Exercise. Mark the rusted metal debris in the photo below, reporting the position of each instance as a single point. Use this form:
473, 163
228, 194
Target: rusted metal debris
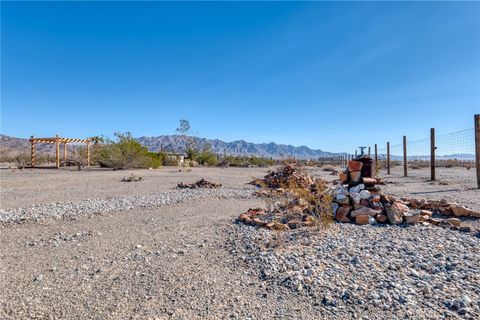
131, 178
202, 183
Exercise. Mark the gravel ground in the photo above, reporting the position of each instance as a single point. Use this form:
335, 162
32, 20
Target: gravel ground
167, 263
20, 188
366, 271
117, 204
92, 247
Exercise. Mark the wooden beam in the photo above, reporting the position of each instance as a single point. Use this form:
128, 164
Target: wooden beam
57, 153
88, 153
64, 153
32, 152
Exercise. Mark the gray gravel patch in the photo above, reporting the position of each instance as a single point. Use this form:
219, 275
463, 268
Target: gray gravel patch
117, 204
353, 271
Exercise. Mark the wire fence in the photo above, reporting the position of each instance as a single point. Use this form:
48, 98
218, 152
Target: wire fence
454, 158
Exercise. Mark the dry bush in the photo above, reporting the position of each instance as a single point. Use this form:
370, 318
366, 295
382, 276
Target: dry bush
382, 164
328, 168
419, 164
23, 160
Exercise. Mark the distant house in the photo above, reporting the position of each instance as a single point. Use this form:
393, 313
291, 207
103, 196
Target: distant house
171, 153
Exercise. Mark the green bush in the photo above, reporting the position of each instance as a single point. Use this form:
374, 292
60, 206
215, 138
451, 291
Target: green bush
245, 161
165, 160
206, 158
155, 161
126, 152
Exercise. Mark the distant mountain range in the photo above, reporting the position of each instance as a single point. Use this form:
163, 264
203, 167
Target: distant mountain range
178, 143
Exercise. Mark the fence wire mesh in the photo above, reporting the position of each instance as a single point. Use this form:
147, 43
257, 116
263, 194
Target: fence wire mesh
454, 158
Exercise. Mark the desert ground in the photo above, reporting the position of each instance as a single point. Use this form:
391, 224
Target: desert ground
84, 245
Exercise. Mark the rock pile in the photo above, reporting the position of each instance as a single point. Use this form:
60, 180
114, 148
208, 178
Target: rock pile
277, 220
358, 199
202, 183
289, 176
302, 200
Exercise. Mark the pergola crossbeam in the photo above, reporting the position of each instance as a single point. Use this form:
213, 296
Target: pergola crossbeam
57, 141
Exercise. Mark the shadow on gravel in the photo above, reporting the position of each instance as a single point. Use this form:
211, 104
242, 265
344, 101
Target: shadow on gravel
437, 191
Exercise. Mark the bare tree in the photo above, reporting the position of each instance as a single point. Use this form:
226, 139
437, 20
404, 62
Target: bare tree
184, 128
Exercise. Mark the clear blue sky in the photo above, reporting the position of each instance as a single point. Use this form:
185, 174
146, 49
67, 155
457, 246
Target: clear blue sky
327, 75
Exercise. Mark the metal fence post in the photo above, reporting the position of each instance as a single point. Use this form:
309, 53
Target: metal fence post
388, 157
405, 164
432, 154
477, 147
376, 159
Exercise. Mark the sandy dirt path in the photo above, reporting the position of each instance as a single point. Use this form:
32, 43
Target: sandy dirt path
168, 263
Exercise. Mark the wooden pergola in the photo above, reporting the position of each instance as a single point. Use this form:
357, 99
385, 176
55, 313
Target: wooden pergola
57, 141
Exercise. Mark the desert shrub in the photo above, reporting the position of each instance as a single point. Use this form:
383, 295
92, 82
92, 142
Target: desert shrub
22, 160
191, 153
206, 158
418, 164
382, 164
167, 160
154, 160
245, 161
124, 153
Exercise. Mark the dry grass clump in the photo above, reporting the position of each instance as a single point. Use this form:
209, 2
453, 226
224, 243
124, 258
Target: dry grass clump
293, 200
329, 168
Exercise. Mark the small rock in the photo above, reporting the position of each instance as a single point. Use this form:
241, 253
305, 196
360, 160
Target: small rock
395, 212
455, 221
381, 218
460, 211
362, 219
342, 214
364, 211
412, 217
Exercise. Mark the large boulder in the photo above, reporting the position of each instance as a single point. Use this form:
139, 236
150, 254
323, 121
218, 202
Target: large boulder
395, 212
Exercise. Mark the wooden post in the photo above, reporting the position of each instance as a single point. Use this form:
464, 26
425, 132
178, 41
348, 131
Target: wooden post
32, 152
405, 163
64, 153
388, 157
88, 153
477, 147
376, 158
432, 154
57, 152
368, 152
